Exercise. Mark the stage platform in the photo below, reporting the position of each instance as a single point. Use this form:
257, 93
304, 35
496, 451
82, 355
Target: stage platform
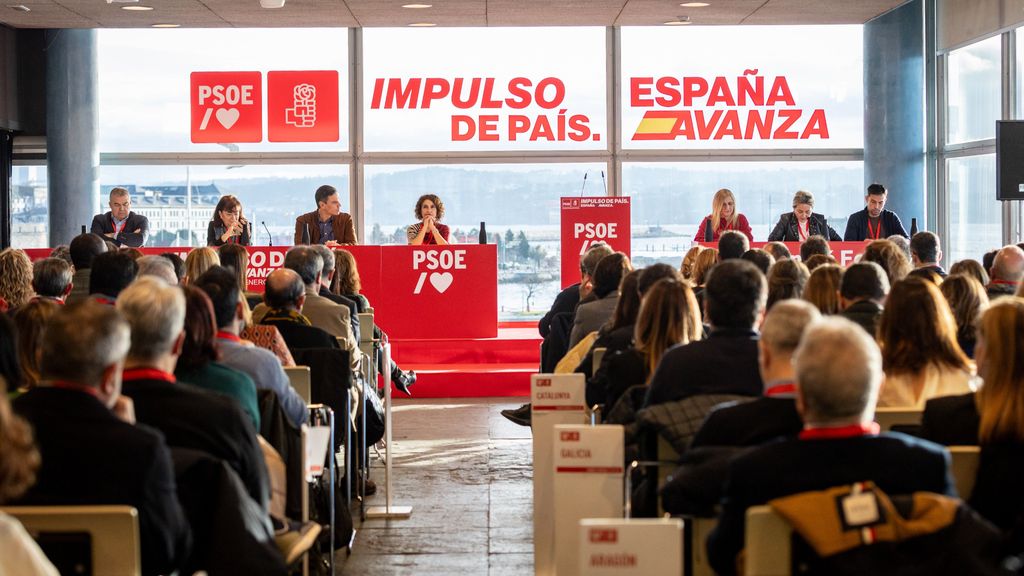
473, 368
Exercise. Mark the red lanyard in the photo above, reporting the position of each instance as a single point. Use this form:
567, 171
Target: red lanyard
66, 385
147, 374
117, 229
801, 230
875, 234
836, 432
228, 336
780, 389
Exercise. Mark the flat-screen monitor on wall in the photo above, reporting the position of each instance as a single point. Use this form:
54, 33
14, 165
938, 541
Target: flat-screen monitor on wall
1010, 160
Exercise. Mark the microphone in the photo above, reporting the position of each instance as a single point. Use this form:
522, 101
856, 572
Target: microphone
603, 183
270, 239
584, 187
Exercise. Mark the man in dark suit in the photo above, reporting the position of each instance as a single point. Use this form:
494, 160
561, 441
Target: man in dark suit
327, 224
324, 288
926, 253
758, 421
112, 272
874, 222
121, 226
188, 416
862, 293
92, 452
284, 296
725, 363
838, 372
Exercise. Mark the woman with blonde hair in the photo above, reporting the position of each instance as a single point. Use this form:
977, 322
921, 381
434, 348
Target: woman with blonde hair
822, 288
724, 216
920, 354
890, 257
705, 260
15, 279
689, 261
198, 261
967, 299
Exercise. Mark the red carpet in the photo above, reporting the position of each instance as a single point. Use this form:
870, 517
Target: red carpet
473, 368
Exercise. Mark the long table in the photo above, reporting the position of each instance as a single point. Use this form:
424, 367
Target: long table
844, 252
429, 292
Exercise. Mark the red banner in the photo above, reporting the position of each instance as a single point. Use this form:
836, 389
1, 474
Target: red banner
589, 219
302, 106
227, 107
844, 252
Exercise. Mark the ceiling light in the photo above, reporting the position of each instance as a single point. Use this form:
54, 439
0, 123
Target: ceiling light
20, 8
135, 8
681, 21
166, 25
694, 4
417, 5
422, 25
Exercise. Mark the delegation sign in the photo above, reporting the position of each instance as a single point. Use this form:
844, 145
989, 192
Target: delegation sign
590, 219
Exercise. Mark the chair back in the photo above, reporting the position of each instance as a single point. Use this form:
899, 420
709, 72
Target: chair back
889, 417
366, 327
598, 357
113, 530
965, 468
768, 549
299, 378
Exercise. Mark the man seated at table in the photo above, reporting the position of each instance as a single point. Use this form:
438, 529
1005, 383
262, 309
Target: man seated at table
327, 224
120, 225
92, 450
838, 374
874, 222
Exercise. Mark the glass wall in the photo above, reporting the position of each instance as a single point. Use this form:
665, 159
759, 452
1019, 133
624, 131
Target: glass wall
973, 94
975, 216
30, 207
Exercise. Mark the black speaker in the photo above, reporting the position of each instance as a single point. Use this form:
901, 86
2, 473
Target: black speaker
1010, 160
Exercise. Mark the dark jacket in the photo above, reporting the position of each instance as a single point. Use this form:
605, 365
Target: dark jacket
353, 308
344, 228
614, 341
786, 229
104, 224
566, 301
951, 420
619, 372
896, 463
214, 231
995, 290
725, 363
865, 314
857, 226
297, 336
92, 457
749, 423
556, 343
191, 417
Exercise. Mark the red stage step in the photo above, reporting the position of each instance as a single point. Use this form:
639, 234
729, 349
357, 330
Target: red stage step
473, 368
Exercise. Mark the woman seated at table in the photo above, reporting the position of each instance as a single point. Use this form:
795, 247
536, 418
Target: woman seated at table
228, 225
802, 223
429, 210
724, 216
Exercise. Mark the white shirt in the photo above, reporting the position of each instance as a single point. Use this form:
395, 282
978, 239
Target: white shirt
19, 553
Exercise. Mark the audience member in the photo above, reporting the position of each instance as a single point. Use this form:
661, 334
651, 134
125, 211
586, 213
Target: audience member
970, 268
593, 313
822, 288
189, 417
926, 253
725, 363
778, 250
967, 300
199, 260
198, 361
570, 297
758, 421
1007, 272
15, 279
987, 259
221, 285
888, 255
31, 320
927, 274
158, 267
903, 243
759, 258
689, 260
617, 333
921, 358
63, 251
112, 272
786, 279
10, 364
838, 373
814, 245
706, 260
133, 253
732, 244
83, 249
326, 279
862, 294
818, 260
284, 297
179, 264
92, 451
51, 279
650, 276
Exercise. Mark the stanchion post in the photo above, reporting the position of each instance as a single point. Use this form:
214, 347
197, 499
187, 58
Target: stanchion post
389, 510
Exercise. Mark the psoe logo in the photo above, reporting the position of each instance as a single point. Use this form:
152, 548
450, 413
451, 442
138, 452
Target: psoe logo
570, 203
438, 265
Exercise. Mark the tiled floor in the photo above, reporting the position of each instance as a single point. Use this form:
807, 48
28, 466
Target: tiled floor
466, 472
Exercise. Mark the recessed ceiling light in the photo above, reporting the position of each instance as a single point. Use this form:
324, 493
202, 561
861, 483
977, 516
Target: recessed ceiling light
422, 25
166, 25
417, 5
136, 8
694, 4
681, 21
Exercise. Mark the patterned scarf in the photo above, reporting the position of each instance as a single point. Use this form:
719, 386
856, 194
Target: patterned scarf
285, 316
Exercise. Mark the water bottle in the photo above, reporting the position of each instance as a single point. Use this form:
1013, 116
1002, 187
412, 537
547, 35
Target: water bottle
483, 233
709, 232
305, 234
913, 227
83, 228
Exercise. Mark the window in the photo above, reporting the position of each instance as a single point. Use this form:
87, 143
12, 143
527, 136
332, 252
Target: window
30, 207
179, 200
670, 200
975, 216
519, 204
973, 91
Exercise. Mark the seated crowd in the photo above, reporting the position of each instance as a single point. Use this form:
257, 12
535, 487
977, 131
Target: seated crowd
148, 381
764, 373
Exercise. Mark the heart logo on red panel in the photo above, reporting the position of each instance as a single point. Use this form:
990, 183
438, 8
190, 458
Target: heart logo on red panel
226, 107
302, 106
